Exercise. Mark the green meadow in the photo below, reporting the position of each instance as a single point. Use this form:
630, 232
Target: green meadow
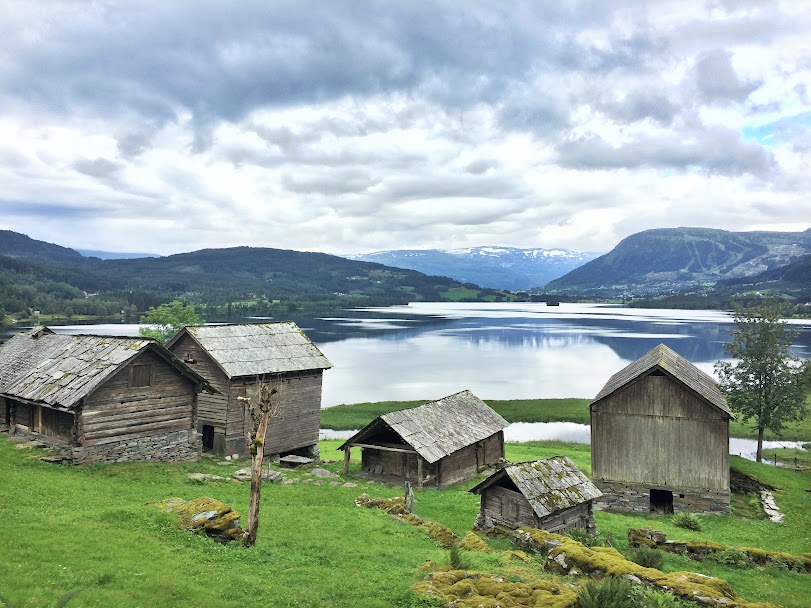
93, 530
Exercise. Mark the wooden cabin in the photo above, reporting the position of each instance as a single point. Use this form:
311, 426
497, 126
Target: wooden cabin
660, 438
438, 444
96, 398
236, 359
551, 494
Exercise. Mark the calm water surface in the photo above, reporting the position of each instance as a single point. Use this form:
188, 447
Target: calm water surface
499, 351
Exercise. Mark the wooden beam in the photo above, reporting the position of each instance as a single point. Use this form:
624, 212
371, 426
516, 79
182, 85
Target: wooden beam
419, 471
384, 448
346, 460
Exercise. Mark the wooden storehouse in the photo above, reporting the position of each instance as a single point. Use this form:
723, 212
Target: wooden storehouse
235, 359
660, 438
551, 494
439, 443
98, 398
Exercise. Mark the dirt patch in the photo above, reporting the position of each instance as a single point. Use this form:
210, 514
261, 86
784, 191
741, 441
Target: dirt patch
740, 483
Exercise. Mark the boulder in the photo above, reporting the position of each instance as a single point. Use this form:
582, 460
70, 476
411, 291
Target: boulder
212, 516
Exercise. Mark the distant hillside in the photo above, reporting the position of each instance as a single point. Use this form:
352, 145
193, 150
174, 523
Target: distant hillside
16, 245
664, 261
495, 267
115, 255
257, 279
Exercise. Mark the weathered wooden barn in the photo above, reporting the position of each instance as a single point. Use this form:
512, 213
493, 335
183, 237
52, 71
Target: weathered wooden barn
235, 359
550, 494
97, 398
660, 438
439, 443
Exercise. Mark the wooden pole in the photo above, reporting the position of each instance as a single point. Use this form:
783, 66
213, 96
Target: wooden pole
346, 460
409, 497
419, 471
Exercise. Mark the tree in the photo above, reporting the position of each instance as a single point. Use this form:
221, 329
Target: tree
167, 319
260, 410
766, 382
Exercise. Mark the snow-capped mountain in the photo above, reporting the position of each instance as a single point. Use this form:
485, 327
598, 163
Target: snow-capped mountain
490, 266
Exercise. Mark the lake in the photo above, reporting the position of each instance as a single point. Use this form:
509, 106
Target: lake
424, 351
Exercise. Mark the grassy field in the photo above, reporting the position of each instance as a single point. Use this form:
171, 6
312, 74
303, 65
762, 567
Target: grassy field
94, 528
358, 415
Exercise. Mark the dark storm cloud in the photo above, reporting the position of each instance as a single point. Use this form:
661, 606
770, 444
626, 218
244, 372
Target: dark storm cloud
50, 211
713, 150
218, 61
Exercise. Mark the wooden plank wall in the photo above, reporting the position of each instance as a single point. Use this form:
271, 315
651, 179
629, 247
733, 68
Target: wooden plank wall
495, 497
116, 412
657, 432
211, 409
4, 413
299, 402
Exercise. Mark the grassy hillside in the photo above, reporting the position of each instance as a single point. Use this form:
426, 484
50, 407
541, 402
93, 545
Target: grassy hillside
93, 528
673, 259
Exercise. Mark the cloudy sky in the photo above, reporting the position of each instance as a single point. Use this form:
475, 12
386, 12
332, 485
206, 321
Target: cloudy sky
354, 126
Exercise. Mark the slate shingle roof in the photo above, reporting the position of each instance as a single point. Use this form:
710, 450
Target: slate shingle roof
60, 370
676, 366
441, 427
253, 349
550, 485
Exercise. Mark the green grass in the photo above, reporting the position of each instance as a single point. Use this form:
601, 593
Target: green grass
358, 415
457, 294
93, 527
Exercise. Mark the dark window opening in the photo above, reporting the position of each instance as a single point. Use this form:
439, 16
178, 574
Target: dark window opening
661, 501
141, 375
657, 372
208, 437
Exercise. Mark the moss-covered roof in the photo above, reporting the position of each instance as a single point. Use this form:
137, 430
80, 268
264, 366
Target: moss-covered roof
550, 485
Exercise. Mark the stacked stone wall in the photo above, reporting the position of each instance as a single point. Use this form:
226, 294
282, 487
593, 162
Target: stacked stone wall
165, 447
635, 498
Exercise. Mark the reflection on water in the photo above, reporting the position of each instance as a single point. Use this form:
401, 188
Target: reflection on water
425, 351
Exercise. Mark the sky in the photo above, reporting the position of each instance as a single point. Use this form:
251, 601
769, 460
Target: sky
356, 126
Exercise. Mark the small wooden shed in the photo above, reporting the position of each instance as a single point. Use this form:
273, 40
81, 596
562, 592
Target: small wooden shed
660, 438
235, 359
550, 494
97, 398
439, 443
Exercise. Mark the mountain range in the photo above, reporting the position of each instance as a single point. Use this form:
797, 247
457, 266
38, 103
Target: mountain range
496, 267
668, 260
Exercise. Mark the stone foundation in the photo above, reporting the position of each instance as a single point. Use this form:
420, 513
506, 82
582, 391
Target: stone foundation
629, 497
166, 447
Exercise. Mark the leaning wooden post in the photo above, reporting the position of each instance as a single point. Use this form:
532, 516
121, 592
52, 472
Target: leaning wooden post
409, 497
419, 471
346, 460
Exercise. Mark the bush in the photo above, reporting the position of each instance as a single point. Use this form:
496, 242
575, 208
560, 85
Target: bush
647, 557
733, 557
609, 592
582, 536
645, 597
458, 559
688, 521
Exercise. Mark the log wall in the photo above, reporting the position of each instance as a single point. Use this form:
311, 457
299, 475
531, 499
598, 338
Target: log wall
502, 506
117, 414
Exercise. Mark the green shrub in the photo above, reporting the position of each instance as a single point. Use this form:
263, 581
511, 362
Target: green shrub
646, 597
457, 558
688, 521
733, 557
647, 557
609, 592
582, 536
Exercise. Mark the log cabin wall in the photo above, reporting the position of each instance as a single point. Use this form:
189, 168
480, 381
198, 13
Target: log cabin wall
295, 429
120, 421
5, 418
212, 410
505, 507
657, 432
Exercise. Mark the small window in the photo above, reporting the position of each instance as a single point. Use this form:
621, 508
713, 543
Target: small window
141, 375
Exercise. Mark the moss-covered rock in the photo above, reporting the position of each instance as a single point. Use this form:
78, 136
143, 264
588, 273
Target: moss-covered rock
214, 517
473, 542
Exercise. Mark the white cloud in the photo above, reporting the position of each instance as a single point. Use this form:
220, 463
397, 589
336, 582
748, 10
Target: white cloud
338, 127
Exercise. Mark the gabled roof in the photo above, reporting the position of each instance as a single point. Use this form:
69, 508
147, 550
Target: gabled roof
60, 370
550, 485
254, 349
675, 366
440, 427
